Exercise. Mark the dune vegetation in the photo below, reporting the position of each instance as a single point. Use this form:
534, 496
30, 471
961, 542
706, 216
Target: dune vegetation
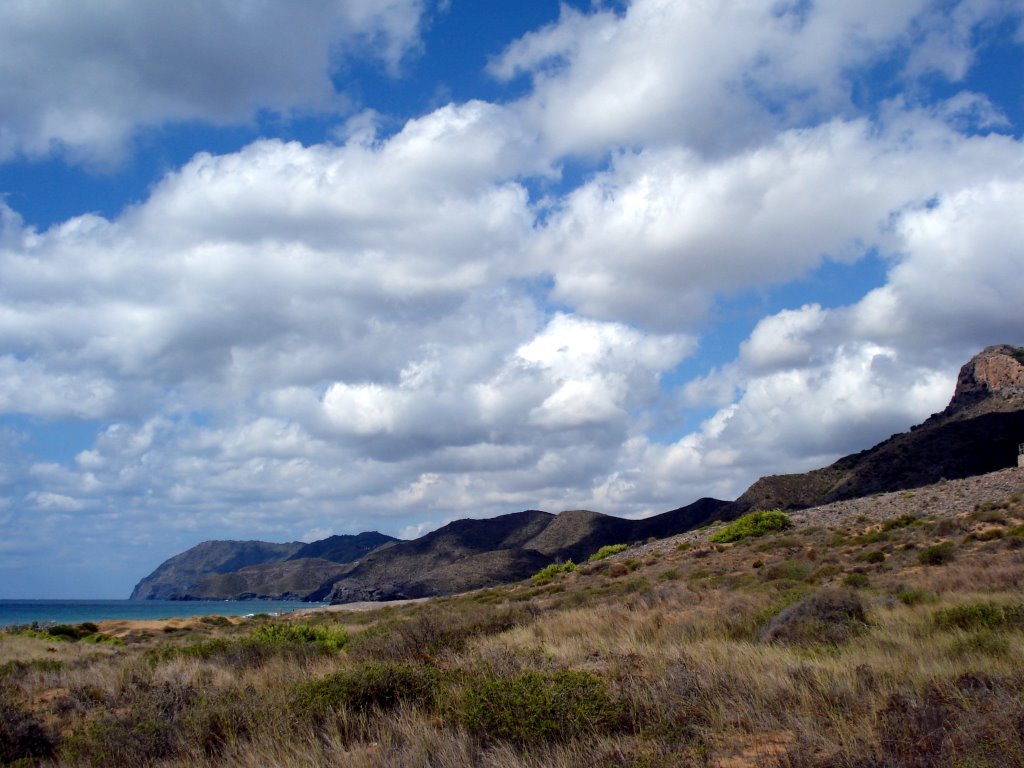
830, 641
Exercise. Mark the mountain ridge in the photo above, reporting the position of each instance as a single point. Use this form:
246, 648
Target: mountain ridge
978, 432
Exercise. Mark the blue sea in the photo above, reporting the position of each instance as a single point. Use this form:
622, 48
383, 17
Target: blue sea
77, 611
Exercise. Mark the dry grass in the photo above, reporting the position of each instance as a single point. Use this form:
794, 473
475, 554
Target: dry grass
634, 669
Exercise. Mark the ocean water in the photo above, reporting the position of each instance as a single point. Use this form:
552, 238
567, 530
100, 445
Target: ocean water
77, 611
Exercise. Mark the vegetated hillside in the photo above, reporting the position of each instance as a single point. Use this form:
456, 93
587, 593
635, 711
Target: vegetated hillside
879, 631
470, 554
978, 432
180, 574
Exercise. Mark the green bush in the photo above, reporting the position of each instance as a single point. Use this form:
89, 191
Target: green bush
912, 596
291, 633
900, 522
857, 580
791, 570
980, 616
549, 572
539, 707
937, 554
873, 556
984, 643
750, 525
368, 686
606, 551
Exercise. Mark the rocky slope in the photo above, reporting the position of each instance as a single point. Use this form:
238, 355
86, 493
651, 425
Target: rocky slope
978, 432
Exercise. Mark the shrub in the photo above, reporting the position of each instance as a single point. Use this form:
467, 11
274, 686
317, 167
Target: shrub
873, 556
549, 572
616, 570
899, 522
21, 737
369, 686
291, 633
539, 706
857, 580
435, 629
750, 525
791, 570
911, 596
985, 643
827, 616
980, 616
937, 554
606, 551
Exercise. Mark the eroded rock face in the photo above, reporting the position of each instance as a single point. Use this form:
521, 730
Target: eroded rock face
997, 370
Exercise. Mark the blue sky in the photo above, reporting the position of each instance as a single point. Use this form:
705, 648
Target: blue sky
380, 264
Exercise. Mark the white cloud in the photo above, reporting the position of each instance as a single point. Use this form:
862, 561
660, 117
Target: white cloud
655, 239
84, 78
717, 76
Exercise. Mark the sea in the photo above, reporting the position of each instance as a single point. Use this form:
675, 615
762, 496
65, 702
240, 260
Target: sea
45, 612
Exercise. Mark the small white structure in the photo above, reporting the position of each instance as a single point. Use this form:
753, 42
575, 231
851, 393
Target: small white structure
1020, 455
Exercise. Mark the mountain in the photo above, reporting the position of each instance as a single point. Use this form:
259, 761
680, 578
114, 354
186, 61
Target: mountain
177, 576
343, 549
220, 570
978, 432
471, 554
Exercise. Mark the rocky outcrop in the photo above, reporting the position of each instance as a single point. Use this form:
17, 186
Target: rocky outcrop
978, 432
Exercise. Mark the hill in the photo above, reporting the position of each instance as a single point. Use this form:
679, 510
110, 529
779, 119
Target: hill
978, 432
177, 576
220, 570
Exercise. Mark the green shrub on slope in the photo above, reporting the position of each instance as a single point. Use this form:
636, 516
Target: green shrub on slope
752, 524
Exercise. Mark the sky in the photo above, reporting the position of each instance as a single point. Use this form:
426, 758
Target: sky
284, 270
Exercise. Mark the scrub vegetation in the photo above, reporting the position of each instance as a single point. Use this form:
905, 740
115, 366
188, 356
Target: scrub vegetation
831, 641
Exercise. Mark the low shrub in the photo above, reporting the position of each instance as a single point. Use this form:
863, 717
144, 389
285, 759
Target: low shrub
937, 554
900, 522
980, 616
293, 633
366, 687
872, 556
791, 570
829, 616
857, 580
549, 572
22, 739
984, 643
435, 630
912, 596
606, 551
751, 525
539, 707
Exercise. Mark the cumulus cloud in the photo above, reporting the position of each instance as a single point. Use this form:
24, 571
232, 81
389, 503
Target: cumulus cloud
717, 76
662, 233
84, 78
391, 332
